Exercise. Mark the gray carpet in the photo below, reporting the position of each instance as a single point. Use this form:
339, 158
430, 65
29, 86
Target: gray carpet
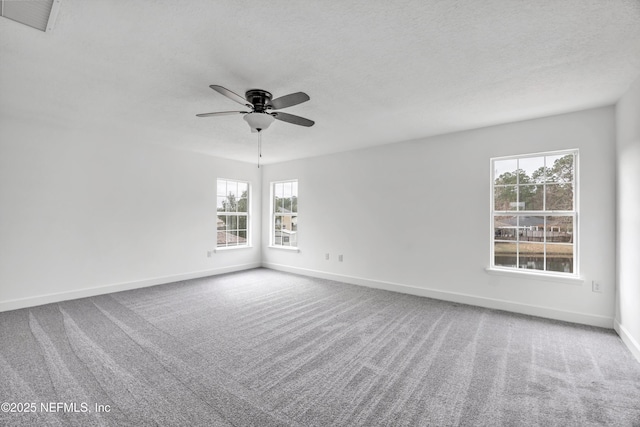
265, 348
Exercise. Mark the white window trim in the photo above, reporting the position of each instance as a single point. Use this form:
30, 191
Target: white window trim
539, 274
286, 248
231, 248
535, 274
248, 215
272, 217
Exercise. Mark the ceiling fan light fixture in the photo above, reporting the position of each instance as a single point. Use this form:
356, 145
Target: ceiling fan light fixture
258, 121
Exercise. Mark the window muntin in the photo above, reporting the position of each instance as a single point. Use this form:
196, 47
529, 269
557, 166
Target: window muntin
534, 212
284, 218
233, 213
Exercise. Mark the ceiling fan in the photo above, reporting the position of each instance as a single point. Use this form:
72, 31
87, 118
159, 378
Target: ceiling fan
262, 106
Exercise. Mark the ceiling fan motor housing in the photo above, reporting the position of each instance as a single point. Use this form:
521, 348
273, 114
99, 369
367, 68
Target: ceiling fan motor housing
262, 106
261, 99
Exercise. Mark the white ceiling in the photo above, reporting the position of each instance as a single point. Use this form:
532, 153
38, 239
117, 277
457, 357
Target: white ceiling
377, 71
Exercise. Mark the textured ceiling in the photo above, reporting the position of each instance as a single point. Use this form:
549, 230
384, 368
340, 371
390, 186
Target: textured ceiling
377, 71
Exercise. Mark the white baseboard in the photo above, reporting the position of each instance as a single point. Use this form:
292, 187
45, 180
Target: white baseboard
515, 307
117, 287
627, 339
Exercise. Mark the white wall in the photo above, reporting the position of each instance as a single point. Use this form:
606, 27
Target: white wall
87, 212
414, 217
628, 213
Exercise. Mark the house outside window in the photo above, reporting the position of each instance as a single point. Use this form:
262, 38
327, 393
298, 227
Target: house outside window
534, 213
233, 213
284, 222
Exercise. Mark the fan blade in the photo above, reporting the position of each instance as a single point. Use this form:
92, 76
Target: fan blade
221, 113
296, 120
231, 95
289, 100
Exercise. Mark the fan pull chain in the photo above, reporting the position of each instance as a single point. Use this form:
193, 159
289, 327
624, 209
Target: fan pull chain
259, 146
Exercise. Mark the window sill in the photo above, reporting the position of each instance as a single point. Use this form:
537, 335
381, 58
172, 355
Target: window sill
285, 248
231, 248
572, 280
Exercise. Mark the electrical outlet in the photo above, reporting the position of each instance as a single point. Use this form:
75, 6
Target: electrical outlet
596, 286
340, 258
326, 256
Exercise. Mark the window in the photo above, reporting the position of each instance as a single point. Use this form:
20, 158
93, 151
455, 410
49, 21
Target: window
534, 212
284, 222
233, 213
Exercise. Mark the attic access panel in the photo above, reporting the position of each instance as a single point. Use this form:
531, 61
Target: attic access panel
38, 14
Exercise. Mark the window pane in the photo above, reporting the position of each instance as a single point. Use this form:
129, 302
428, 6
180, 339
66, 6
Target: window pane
294, 223
506, 198
277, 197
232, 222
560, 168
229, 204
531, 197
220, 205
559, 229
505, 171
232, 189
531, 228
232, 196
560, 257
236, 238
505, 254
242, 205
294, 196
286, 200
287, 188
221, 239
559, 197
531, 169
242, 222
285, 223
222, 222
531, 255
504, 227
277, 230
280, 197
243, 189
559, 235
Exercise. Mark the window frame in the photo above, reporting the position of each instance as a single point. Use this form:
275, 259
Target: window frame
237, 214
273, 214
545, 213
